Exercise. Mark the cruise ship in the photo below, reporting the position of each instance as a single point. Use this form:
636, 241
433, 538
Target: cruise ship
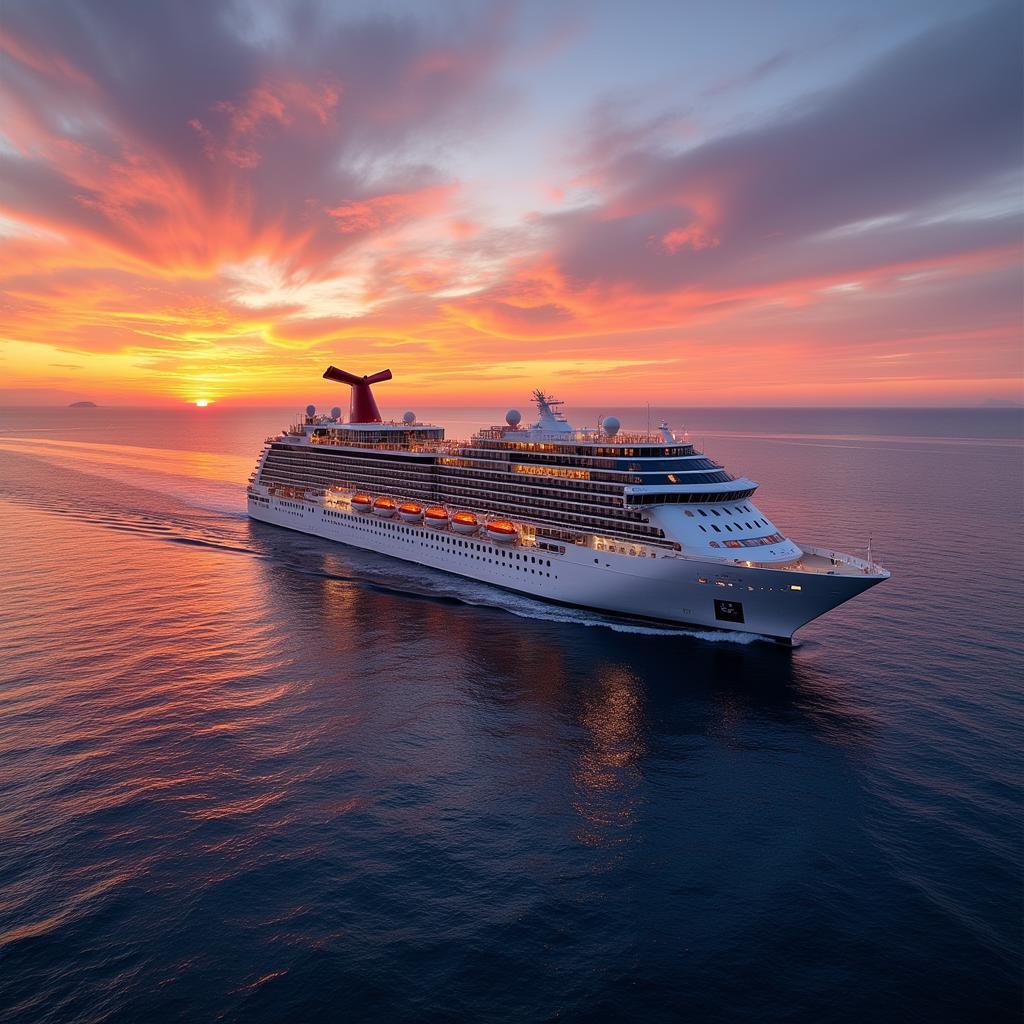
641, 525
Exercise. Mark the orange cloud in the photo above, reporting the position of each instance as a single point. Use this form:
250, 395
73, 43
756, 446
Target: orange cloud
692, 237
384, 211
47, 63
250, 118
280, 210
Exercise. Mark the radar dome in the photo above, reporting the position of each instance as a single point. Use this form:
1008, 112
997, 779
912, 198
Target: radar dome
513, 417
310, 410
610, 425
409, 418
336, 413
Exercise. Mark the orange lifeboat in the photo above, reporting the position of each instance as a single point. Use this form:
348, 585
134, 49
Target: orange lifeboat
465, 522
362, 502
501, 530
386, 507
436, 516
410, 512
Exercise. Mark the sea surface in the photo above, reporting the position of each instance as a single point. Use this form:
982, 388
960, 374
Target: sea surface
248, 775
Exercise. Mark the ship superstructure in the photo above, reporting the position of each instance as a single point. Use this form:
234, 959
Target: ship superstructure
637, 524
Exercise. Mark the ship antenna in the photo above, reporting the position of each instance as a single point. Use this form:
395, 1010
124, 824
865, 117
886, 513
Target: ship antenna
362, 408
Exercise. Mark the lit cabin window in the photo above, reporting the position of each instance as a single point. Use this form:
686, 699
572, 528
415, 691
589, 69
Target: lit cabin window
796, 587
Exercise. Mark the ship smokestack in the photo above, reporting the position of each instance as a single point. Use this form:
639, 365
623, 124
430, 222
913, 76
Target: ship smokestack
362, 408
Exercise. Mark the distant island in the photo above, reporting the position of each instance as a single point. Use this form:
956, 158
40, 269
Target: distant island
83, 405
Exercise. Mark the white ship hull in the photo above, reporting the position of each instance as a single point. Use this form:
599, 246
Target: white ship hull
672, 588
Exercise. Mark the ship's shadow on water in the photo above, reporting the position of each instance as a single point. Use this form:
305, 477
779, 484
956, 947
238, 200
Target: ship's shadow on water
527, 649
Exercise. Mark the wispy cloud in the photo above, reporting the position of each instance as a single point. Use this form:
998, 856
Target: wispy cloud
183, 187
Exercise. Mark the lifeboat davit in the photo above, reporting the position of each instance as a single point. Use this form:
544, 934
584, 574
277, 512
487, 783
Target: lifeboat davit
362, 502
385, 507
501, 530
410, 512
436, 516
465, 522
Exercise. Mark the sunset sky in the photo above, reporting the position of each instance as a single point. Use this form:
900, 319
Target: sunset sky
688, 203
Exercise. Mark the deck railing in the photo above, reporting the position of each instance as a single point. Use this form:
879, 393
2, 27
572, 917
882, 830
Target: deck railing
840, 559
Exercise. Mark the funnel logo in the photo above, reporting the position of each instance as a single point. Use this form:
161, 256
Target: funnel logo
729, 611
363, 408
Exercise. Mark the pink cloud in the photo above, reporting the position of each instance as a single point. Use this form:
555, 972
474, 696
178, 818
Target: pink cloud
692, 237
310, 166
251, 118
376, 213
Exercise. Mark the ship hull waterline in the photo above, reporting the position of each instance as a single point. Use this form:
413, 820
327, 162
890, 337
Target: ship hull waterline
769, 603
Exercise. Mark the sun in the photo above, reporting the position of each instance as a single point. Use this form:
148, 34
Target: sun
202, 403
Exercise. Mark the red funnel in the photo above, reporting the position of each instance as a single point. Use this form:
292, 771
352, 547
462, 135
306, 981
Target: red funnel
362, 408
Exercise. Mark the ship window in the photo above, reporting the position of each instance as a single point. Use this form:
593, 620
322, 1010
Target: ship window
702, 530
714, 512
728, 527
715, 528
689, 513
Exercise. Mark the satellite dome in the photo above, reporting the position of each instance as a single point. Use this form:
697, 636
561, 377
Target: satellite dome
336, 413
310, 410
513, 417
409, 418
610, 425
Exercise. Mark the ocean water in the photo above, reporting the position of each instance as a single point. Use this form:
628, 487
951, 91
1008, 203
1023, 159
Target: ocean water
247, 775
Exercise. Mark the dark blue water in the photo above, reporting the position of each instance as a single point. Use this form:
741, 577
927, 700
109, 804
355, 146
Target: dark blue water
246, 775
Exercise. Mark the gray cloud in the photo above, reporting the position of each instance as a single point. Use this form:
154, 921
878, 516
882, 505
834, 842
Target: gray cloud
931, 120
271, 130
